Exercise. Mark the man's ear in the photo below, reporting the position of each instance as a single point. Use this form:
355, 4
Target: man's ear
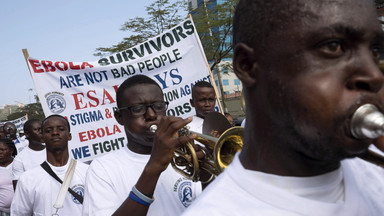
118, 116
245, 65
69, 137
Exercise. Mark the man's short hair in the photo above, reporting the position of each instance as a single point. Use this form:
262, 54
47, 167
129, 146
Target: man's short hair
28, 124
55, 115
254, 20
132, 81
201, 84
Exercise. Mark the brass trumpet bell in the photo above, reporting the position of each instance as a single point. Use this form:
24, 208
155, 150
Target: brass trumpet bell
229, 143
224, 148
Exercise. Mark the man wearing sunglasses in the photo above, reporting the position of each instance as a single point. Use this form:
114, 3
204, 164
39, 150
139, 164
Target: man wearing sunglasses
138, 180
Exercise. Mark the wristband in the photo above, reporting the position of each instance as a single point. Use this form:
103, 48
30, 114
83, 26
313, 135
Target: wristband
142, 196
137, 199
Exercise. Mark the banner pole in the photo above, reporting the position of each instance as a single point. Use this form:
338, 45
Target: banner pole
26, 56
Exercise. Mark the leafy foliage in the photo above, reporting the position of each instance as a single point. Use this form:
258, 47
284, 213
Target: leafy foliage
34, 110
214, 25
163, 15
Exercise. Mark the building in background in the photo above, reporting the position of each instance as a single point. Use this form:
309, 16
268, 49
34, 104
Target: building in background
9, 109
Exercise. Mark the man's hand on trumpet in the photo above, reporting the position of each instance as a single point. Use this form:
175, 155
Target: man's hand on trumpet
166, 141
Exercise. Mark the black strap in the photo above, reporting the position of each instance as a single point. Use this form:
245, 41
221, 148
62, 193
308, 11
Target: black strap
47, 168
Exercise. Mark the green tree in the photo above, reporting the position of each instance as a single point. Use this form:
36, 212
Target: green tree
214, 26
33, 110
162, 15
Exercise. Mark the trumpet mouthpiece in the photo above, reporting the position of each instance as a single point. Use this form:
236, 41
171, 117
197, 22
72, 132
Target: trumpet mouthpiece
153, 128
367, 122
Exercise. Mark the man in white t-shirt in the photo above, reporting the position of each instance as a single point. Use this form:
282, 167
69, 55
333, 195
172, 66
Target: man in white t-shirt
36, 190
32, 155
10, 132
7, 152
126, 181
306, 66
203, 100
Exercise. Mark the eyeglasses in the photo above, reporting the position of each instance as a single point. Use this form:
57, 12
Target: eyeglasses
141, 109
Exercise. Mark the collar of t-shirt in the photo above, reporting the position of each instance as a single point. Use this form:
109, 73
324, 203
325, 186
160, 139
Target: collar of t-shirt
141, 158
61, 170
328, 187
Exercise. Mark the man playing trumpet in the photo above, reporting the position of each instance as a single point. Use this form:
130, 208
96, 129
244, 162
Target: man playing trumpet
306, 66
138, 180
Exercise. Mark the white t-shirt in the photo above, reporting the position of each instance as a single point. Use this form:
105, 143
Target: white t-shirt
196, 125
238, 191
37, 191
20, 144
27, 159
6, 188
243, 123
110, 179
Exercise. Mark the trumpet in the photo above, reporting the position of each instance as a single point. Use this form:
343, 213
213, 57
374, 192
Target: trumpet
224, 148
368, 123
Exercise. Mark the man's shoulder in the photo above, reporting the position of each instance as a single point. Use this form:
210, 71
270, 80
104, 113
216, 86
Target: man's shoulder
82, 165
34, 174
196, 122
26, 151
114, 155
110, 160
196, 118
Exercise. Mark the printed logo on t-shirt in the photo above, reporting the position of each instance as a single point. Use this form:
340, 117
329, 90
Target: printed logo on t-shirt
79, 189
185, 192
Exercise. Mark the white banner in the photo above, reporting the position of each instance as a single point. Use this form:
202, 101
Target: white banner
19, 123
84, 92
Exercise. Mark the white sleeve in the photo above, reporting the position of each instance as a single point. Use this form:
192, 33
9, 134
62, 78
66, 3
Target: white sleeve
17, 168
243, 123
22, 203
197, 189
99, 195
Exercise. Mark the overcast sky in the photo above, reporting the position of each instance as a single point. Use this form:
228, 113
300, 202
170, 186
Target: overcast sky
56, 30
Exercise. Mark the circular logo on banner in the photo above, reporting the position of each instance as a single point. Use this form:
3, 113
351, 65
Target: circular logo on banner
55, 102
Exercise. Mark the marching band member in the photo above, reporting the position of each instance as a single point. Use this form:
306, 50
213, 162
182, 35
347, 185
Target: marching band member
138, 179
306, 67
